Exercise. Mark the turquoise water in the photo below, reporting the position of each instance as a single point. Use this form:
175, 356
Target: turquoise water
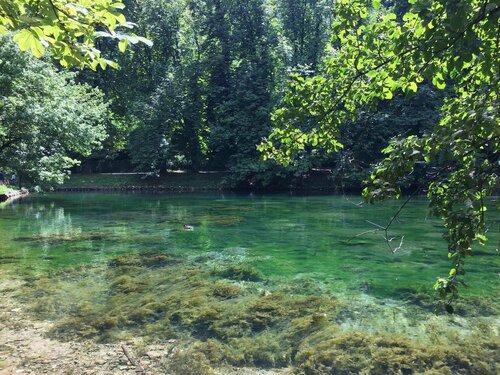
265, 280
282, 236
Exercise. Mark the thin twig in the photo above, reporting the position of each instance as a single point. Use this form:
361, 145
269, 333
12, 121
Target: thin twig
138, 367
385, 228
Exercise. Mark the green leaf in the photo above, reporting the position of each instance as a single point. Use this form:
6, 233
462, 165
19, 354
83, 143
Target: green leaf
122, 45
26, 40
412, 87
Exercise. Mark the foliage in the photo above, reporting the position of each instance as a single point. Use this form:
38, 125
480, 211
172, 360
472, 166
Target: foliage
46, 119
203, 94
68, 28
376, 54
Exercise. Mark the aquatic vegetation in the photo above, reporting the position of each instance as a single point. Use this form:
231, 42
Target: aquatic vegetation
466, 306
265, 324
226, 290
188, 362
331, 352
9, 259
127, 284
222, 219
81, 249
238, 272
55, 238
151, 259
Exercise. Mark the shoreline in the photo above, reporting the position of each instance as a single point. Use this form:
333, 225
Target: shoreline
13, 194
316, 182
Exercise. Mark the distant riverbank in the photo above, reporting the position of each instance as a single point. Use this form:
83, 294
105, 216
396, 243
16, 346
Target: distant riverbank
317, 181
6, 193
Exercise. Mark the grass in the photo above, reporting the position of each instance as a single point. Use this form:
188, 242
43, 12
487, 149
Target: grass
5, 189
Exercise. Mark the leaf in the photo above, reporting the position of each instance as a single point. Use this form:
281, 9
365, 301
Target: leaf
122, 45
146, 41
26, 40
388, 94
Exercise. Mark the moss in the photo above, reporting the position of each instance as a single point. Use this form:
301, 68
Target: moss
238, 272
74, 327
265, 350
241, 324
329, 352
55, 238
225, 290
106, 322
81, 249
9, 259
470, 306
127, 284
142, 314
188, 363
150, 259
222, 219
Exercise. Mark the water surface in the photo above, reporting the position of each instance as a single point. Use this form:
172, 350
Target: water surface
282, 236
261, 276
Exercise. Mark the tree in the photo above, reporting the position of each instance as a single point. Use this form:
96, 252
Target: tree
68, 28
46, 119
306, 25
375, 54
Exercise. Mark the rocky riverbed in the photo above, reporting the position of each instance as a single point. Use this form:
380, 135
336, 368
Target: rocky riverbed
25, 348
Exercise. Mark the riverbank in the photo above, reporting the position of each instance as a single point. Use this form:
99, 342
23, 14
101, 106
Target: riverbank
7, 193
205, 181
181, 182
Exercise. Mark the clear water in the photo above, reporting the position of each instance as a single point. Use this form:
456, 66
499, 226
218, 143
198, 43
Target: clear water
305, 245
282, 236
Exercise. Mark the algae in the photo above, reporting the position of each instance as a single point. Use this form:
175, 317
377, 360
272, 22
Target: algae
224, 290
9, 259
188, 362
219, 317
55, 238
331, 352
238, 272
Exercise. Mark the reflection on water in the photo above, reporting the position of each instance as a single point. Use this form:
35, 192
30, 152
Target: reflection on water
264, 281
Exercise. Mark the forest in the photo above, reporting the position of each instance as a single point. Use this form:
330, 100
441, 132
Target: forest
202, 97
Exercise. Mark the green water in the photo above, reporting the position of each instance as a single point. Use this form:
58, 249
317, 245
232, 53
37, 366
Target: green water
282, 236
71, 249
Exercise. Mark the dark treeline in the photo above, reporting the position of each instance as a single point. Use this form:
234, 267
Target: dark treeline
202, 97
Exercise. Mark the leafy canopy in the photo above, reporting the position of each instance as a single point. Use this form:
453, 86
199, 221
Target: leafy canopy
46, 120
69, 29
376, 54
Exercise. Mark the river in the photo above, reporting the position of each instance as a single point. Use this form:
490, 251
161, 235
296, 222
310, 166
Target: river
276, 281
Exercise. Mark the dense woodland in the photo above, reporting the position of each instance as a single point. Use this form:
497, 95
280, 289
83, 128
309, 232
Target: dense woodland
200, 98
